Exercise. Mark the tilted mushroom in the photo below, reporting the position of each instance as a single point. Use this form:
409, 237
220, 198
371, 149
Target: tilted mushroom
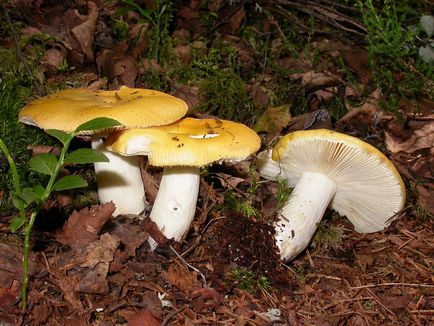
331, 169
182, 148
119, 180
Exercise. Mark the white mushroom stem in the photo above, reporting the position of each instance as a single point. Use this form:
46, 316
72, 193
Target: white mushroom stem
175, 204
303, 211
268, 168
120, 181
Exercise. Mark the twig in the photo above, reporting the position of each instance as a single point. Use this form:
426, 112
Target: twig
171, 315
189, 265
391, 284
423, 311
19, 54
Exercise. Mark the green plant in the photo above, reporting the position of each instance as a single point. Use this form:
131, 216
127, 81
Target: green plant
240, 205
33, 198
283, 193
328, 236
393, 52
249, 281
159, 18
16, 86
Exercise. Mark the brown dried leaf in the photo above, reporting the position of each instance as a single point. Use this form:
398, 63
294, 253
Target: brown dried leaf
85, 32
189, 94
205, 299
395, 302
83, 227
53, 58
319, 119
422, 137
144, 317
41, 149
8, 296
125, 70
316, 80
179, 276
93, 273
132, 236
183, 53
101, 251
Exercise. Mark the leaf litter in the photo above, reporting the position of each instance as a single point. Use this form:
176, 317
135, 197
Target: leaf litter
99, 270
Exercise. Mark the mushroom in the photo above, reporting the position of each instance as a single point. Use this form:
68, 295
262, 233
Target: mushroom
182, 148
120, 179
331, 169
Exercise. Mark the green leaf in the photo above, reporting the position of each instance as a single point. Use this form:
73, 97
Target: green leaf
86, 155
97, 124
28, 195
18, 202
69, 182
39, 190
43, 163
16, 223
59, 134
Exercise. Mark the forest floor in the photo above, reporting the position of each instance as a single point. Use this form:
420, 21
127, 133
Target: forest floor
276, 66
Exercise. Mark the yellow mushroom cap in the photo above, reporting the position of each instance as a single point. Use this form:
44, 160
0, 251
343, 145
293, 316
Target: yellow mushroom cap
132, 107
370, 190
187, 142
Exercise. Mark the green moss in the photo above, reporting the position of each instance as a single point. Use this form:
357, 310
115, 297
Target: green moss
328, 236
15, 89
248, 280
283, 193
241, 205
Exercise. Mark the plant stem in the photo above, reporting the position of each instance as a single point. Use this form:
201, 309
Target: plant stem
29, 225
12, 167
26, 251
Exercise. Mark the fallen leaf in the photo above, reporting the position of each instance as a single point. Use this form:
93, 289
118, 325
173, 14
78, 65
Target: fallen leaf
41, 149
143, 317
422, 137
315, 80
85, 32
189, 94
54, 58
40, 313
8, 296
205, 299
183, 53
97, 258
179, 276
274, 119
319, 119
82, 227
131, 236
367, 113
125, 70
394, 302
101, 251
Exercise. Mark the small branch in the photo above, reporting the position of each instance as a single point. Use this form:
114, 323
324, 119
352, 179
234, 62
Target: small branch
19, 53
391, 284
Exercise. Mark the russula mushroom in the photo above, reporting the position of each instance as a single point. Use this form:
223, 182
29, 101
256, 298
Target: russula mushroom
120, 179
182, 148
328, 168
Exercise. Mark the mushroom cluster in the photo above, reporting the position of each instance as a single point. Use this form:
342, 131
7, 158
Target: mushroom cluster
327, 168
152, 125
